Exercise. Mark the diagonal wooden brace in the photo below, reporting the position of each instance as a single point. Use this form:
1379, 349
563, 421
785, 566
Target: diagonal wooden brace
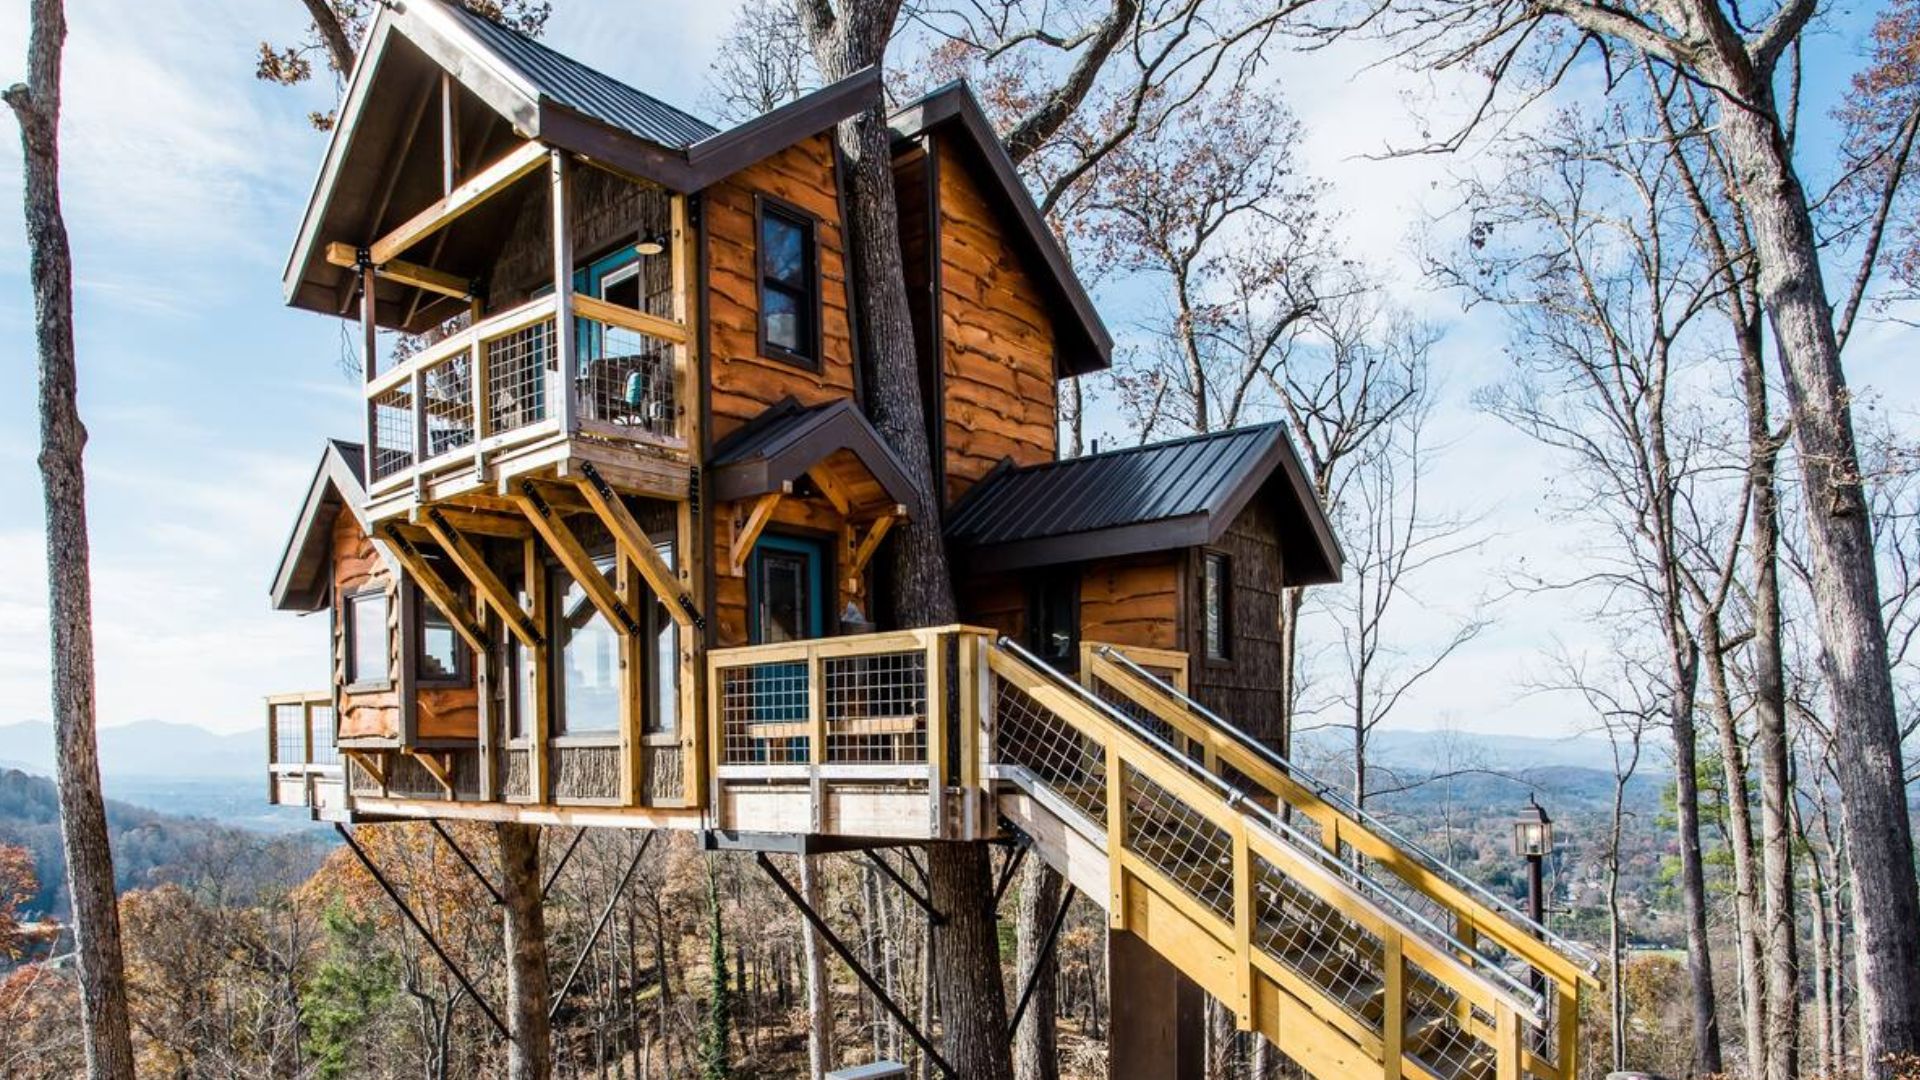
573, 556
436, 589
635, 545
485, 581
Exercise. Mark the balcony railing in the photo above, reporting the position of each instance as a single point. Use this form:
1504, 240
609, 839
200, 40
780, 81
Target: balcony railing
303, 752
502, 383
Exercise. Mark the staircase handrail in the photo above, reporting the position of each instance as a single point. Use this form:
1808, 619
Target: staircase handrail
1242, 801
1333, 795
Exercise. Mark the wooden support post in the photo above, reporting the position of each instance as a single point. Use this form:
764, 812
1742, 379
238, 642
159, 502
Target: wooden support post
559, 186
937, 743
371, 761
691, 515
632, 693
817, 735
746, 533
485, 582
1116, 828
870, 543
438, 766
370, 368
1243, 918
436, 589
406, 273
638, 547
1507, 1045
1393, 1022
831, 489
534, 573
448, 133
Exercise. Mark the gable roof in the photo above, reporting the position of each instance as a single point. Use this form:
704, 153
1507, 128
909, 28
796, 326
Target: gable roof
953, 109
1149, 498
300, 583
781, 444
534, 93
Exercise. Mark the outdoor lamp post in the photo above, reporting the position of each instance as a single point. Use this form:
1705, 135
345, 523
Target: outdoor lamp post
1533, 841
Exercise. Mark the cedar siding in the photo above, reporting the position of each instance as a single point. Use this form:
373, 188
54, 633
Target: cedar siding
996, 336
373, 715
744, 383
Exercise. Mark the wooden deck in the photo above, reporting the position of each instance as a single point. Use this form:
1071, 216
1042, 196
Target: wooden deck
1353, 950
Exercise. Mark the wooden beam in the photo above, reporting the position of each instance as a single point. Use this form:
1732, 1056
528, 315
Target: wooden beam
438, 766
573, 556
869, 544
371, 762
406, 273
534, 573
483, 522
485, 184
637, 546
744, 535
436, 589
485, 582
831, 487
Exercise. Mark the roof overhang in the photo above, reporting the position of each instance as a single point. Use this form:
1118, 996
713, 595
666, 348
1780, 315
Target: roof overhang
300, 582
406, 49
787, 441
1087, 346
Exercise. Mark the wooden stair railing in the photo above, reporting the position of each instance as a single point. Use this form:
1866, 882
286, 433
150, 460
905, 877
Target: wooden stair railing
1337, 972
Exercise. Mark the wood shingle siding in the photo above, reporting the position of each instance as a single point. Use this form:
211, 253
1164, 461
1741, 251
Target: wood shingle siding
996, 337
1246, 688
744, 383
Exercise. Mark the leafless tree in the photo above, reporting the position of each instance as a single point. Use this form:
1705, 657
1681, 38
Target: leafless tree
761, 63
63, 438
1745, 60
1588, 248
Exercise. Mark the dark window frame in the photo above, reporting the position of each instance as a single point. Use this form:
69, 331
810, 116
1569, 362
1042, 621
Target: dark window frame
352, 682
1224, 656
813, 303
1037, 585
462, 676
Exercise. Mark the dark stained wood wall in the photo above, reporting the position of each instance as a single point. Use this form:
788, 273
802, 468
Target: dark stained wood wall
1245, 690
996, 337
607, 210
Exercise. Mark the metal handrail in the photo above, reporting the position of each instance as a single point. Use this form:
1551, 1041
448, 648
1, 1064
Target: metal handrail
1329, 793
1239, 799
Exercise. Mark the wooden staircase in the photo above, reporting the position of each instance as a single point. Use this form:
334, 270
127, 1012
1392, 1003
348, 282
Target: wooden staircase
1352, 951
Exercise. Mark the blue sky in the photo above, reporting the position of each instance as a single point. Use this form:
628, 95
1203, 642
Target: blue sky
207, 399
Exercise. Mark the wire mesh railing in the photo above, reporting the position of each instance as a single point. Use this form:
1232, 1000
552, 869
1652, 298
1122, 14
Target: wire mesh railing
300, 731
1347, 947
502, 382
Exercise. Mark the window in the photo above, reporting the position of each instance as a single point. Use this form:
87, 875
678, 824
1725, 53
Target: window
368, 658
1216, 605
1053, 617
440, 656
589, 663
663, 666
789, 286
520, 705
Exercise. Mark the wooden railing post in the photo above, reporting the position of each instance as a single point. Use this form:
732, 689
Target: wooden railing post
417, 389
1506, 1044
817, 734
1243, 922
936, 721
567, 362
1116, 834
1393, 1021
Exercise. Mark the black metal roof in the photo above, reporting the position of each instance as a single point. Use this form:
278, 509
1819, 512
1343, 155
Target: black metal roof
782, 443
1149, 498
586, 91
300, 582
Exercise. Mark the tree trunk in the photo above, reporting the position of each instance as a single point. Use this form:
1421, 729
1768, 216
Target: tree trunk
975, 1039
1770, 725
63, 438
529, 1044
1845, 585
1746, 908
1693, 883
1036, 1053
819, 991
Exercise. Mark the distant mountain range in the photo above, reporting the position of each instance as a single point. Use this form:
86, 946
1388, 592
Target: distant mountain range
1442, 751
145, 749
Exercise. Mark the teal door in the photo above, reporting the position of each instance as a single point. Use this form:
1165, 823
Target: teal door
786, 602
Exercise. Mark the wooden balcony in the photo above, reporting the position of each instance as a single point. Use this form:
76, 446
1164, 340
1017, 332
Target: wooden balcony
303, 755
538, 389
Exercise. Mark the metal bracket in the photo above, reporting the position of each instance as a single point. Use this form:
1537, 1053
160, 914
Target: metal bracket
866, 979
465, 861
562, 864
432, 942
924, 902
593, 938
1046, 957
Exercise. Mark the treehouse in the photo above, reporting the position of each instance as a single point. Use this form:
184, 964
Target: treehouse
604, 554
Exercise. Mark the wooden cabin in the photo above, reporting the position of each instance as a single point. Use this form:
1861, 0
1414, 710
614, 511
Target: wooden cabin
605, 551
